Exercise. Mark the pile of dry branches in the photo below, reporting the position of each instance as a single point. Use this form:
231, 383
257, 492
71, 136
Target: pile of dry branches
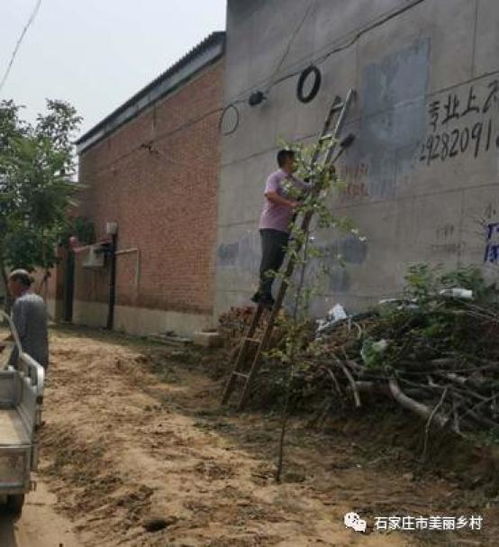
436, 355
234, 323
439, 360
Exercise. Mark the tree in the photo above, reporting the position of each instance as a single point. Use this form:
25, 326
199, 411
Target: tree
309, 259
37, 186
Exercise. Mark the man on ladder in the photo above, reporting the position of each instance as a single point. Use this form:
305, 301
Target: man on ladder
275, 222
325, 155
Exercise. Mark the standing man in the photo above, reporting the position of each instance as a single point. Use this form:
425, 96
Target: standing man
29, 316
275, 222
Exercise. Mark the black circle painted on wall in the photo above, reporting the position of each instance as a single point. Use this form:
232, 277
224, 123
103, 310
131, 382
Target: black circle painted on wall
311, 71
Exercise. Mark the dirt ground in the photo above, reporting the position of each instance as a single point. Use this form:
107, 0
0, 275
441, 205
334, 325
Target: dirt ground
135, 440
40, 525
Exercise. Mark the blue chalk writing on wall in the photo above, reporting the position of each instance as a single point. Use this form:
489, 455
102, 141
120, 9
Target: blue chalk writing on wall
243, 254
492, 248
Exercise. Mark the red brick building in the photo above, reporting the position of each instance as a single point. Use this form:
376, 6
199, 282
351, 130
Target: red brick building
152, 167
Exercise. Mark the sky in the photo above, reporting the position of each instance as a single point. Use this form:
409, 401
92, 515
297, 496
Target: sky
97, 53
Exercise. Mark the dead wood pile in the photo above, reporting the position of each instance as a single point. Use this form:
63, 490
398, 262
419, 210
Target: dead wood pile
435, 354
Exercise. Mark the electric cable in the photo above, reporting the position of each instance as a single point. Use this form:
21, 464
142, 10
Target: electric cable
290, 43
319, 60
232, 105
166, 134
31, 19
354, 39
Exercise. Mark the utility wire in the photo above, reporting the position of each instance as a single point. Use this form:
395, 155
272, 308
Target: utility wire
354, 38
320, 59
344, 45
290, 42
149, 146
19, 42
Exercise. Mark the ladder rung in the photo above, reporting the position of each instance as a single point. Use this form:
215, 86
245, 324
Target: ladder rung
249, 339
322, 155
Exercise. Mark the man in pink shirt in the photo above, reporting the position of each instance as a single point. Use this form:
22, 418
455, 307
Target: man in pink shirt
275, 222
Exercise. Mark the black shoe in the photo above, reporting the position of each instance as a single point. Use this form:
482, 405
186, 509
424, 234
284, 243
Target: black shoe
256, 297
267, 301
263, 300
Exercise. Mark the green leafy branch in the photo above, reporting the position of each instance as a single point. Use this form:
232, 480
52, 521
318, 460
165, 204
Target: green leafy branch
315, 214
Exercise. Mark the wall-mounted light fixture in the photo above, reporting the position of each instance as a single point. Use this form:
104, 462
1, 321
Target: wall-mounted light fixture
256, 98
111, 228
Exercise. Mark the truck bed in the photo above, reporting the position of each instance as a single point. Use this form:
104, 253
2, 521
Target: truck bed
12, 430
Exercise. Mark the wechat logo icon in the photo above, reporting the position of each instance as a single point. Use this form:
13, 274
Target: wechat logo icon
353, 520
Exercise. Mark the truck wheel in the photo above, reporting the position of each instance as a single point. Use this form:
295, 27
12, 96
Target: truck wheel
15, 504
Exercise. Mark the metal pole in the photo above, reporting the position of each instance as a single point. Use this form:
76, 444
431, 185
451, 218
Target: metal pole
112, 282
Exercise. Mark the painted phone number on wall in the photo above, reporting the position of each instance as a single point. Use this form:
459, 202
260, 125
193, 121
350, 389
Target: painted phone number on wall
441, 146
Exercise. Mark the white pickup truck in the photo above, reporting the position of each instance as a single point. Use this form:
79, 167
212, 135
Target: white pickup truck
21, 398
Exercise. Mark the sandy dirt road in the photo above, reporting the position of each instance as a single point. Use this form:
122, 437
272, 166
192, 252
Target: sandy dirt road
39, 526
137, 452
124, 446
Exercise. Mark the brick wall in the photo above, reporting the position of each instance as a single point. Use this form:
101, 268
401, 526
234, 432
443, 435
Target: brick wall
164, 199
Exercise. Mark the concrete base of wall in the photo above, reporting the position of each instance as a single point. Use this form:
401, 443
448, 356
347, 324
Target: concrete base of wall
139, 321
207, 339
51, 304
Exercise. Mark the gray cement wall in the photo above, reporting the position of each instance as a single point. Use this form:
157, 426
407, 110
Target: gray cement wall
422, 175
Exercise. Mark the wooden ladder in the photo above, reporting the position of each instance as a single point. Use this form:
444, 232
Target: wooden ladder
324, 151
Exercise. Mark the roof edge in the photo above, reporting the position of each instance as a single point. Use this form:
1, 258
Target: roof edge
202, 55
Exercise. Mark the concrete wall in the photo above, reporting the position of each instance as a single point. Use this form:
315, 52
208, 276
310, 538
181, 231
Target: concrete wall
422, 174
